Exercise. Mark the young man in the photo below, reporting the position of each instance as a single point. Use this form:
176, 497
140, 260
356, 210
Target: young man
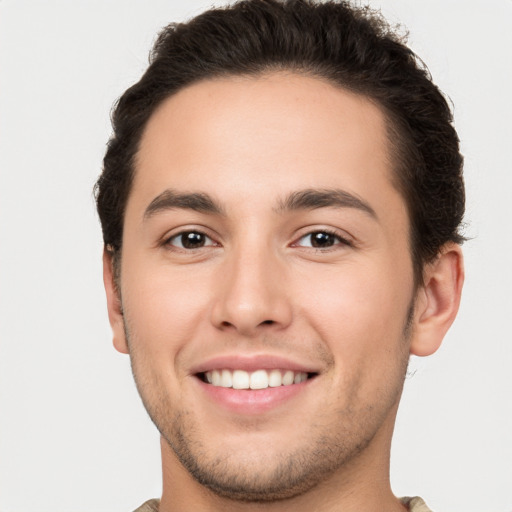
280, 204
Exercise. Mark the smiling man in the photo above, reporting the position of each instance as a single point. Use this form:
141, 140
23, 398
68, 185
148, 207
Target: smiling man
280, 205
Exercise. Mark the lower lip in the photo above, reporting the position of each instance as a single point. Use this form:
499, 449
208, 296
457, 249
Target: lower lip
252, 401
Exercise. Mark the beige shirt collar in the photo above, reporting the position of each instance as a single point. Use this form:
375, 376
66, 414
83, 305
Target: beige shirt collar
415, 504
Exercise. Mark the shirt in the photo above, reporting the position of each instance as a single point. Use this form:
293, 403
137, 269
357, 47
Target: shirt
415, 504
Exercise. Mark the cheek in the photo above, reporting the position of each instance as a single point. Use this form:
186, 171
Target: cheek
360, 316
360, 311
164, 306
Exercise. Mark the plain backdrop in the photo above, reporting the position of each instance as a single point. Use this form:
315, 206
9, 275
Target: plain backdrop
73, 433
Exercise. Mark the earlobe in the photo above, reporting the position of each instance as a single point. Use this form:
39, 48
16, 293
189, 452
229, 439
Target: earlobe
438, 300
115, 311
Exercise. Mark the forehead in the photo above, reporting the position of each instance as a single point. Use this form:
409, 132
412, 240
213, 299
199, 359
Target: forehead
270, 133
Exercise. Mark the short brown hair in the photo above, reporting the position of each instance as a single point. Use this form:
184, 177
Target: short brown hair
349, 46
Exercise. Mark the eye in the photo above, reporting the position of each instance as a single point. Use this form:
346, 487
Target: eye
321, 240
190, 240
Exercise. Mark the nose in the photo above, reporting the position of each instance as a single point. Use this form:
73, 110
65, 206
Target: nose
252, 294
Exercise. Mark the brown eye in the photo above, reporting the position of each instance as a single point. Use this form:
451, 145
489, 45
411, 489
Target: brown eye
190, 240
321, 240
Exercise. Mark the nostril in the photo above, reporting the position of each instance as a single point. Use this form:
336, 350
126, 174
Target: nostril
267, 322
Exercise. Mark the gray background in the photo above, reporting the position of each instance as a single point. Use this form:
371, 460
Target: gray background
73, 434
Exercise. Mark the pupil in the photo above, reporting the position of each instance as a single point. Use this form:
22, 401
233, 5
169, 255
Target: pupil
322, 239
192, 240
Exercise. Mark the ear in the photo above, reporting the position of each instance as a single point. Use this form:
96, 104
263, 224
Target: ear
114, 306
437, 301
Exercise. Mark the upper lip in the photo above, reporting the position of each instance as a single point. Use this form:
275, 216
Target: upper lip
251, 363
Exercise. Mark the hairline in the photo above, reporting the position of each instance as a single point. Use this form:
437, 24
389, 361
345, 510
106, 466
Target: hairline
395, 145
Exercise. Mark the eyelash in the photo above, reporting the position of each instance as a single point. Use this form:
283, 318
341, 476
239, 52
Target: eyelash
182, 234
332, 233
209, 242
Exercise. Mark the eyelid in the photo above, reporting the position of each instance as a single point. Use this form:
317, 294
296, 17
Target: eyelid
180, 236
165, 241
343, 238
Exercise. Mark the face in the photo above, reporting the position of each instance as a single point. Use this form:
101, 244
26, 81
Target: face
266, 283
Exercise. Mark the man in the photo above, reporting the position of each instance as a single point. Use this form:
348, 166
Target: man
280, 202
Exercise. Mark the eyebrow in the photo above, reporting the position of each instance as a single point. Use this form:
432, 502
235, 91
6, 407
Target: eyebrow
171, 200
308, 199
311, 199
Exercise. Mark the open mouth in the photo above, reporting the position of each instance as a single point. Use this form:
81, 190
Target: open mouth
259, 379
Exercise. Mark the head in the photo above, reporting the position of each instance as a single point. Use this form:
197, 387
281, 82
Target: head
352, 48
282, 193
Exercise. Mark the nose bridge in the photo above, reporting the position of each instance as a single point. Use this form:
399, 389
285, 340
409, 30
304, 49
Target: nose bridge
252, 291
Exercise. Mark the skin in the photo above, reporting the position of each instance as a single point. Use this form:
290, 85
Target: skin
257, 287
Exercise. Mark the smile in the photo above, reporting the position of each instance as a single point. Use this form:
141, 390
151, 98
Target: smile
259, 379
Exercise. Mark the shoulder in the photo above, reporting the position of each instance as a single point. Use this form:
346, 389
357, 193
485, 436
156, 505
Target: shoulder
149, 506
415, 504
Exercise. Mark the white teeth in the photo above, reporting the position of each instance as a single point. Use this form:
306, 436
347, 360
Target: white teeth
226, 379
274, 379
216, 378
259, 379
299, 377
288, 378
240, 379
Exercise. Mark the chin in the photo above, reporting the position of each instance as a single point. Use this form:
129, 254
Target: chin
262, 474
